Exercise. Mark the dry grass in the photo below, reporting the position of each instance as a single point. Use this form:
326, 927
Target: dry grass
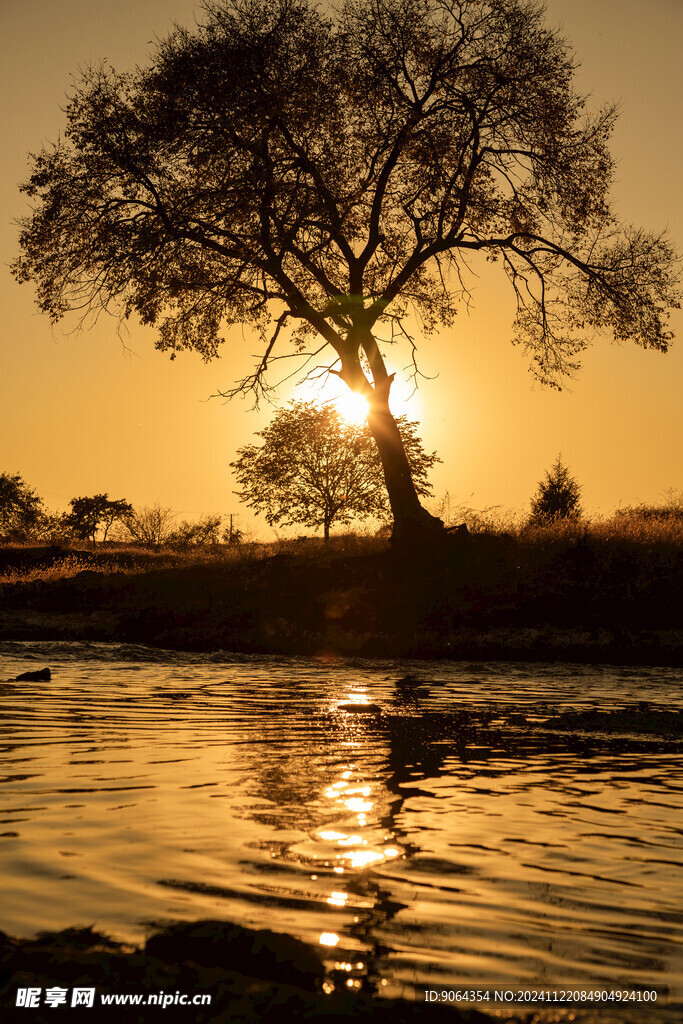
635, 536
59, 569
25, 563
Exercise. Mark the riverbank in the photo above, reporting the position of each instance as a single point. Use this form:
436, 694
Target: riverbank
570, 597
222, 971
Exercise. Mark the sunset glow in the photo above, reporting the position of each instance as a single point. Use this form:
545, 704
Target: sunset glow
353, 407
476, 406
263, 634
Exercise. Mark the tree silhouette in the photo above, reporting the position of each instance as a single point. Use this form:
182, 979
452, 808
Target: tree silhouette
21, 510
88, 515
557, 497
202, 533
321, 176
150, 525
316, 469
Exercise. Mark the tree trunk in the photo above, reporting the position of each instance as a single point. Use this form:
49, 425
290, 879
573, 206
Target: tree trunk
326, 528
412, 522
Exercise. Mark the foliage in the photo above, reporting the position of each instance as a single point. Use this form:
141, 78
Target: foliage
558, 496
315, 468
336, 166
331, 167
88, 515
192, 535
286, 163
21, 510
150, 525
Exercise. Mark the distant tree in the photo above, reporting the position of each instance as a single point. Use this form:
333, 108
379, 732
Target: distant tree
315, 468
99, 512
557, 497
339, 167
53, 528
21, 510
195, 535
150, 525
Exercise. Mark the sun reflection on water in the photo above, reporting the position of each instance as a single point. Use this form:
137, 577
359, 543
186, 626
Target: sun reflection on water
353, 842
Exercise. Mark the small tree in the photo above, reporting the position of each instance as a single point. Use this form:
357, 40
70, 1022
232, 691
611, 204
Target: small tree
88, 515
196, 535
557, 497
315, 468
21, 510
150, 525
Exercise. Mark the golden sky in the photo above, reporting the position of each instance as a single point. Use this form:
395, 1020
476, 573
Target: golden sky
81, 414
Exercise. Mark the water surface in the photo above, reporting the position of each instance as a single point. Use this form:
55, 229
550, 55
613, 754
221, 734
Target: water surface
450, 839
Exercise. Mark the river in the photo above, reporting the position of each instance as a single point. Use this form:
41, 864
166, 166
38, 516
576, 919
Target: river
457, 835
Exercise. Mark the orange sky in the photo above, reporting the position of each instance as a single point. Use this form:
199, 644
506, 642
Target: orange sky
80, 414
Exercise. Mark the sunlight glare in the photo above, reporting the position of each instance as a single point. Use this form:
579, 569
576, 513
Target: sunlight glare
352, 407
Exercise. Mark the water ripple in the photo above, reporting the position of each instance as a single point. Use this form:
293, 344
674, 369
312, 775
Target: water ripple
485, 824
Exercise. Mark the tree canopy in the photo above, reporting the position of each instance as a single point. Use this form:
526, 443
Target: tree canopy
21, 509
315, 468
90, 514
321, 177
557, 497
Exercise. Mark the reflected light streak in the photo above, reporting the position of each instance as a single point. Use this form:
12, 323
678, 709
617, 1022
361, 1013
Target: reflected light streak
356, 803
338, 899
361, 858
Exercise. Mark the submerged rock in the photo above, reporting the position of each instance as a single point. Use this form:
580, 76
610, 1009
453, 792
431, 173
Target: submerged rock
42, 675
257, 954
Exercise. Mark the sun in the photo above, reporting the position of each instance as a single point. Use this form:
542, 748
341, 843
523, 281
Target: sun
352, 407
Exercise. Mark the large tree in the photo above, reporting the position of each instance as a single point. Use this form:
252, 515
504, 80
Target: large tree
314, 468
320, 176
